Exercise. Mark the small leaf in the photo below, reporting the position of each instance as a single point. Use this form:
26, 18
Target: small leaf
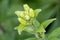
47, 22
36, 12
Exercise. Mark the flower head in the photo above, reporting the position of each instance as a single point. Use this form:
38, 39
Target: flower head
28, 13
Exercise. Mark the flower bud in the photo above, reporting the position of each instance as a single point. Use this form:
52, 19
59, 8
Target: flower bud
27, 17
20, 13
26, 7
31, 13
22, 21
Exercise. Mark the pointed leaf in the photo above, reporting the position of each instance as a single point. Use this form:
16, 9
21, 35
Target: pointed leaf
36, 12
47, 22
41, 29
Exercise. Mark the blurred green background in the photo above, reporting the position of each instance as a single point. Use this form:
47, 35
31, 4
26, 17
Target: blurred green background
8, 18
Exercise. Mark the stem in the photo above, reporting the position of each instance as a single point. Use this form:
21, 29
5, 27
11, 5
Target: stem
37, 35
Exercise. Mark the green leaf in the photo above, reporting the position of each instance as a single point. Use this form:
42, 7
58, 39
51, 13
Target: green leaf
36, 23
47, 22
32, 39
41, 31
29, 29
36, 12
55, 34
53, 38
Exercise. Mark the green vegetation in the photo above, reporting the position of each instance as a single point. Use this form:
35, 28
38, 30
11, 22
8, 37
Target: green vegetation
39, 20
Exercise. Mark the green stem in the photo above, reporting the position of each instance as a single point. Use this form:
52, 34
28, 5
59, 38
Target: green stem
37, 35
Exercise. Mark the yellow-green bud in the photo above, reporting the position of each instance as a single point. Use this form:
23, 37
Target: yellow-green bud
27, 17
20, 13
31, 13
26, 7
22, 21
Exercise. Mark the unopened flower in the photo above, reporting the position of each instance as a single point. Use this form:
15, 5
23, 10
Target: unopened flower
27, 17
20, 13
22, 21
